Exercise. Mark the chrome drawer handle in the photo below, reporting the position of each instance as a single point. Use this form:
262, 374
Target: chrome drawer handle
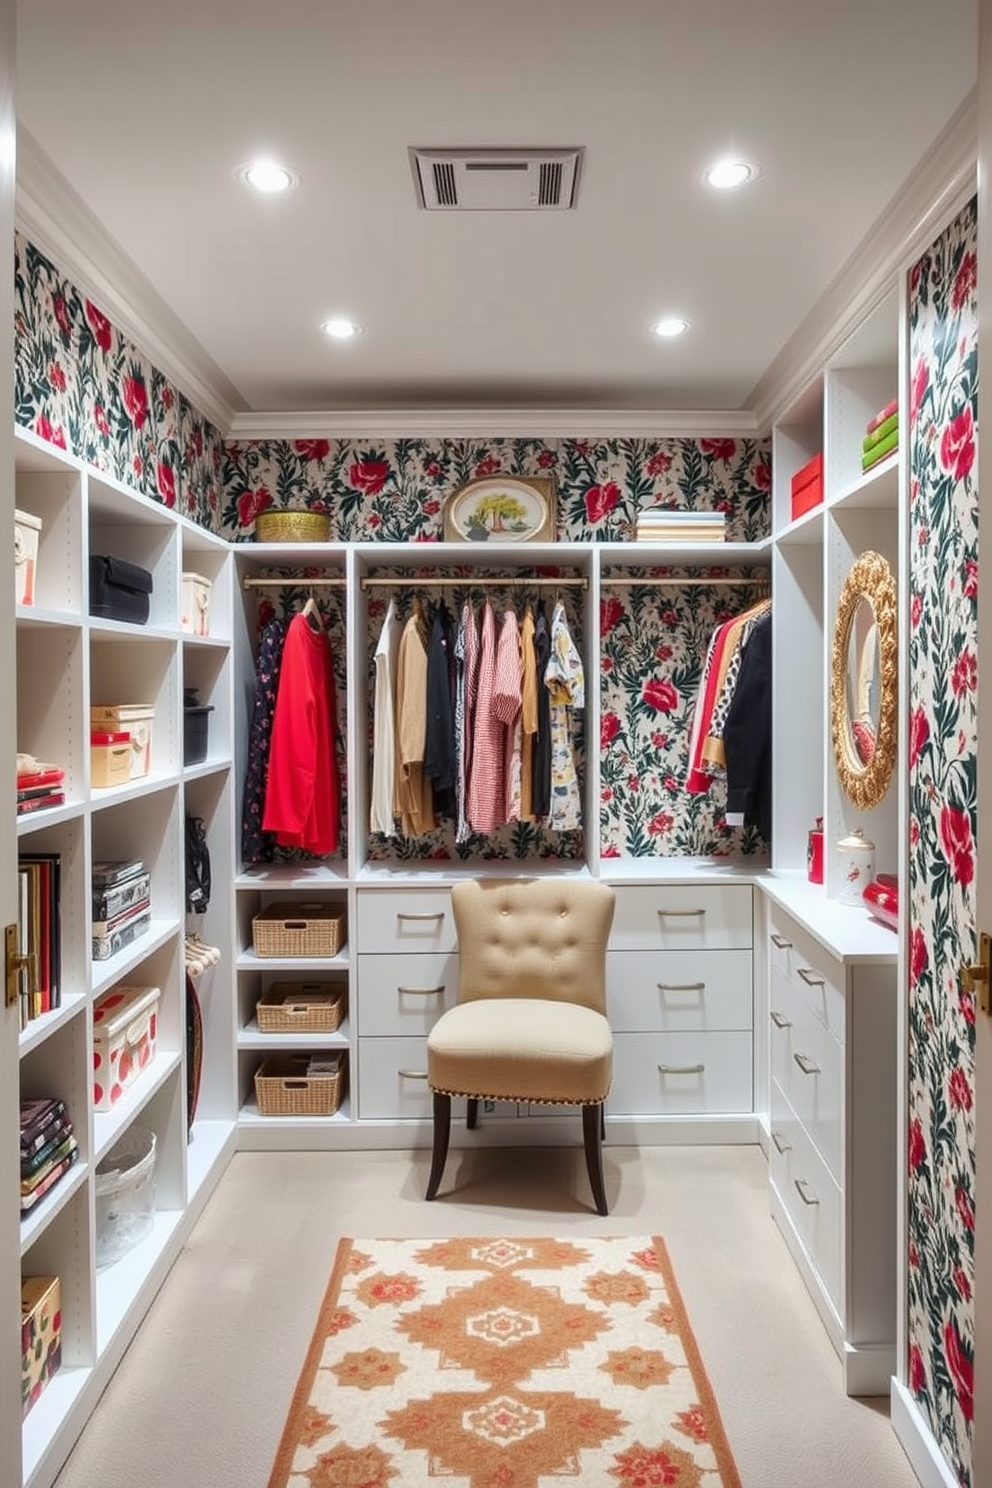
805, 1192
781, 942
779, 1019
682, 913
780, 1142
406, 915
681, 986
806, 1064
681, 1069
420, 991
810, 977
406, 1074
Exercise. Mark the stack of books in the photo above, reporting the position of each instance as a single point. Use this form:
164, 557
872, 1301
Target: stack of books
38, 785
662, 524
48, 1147
39, 934
121, 905
881, 435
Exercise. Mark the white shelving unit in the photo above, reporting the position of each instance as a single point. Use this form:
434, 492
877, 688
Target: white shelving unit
830, 1129
66, 662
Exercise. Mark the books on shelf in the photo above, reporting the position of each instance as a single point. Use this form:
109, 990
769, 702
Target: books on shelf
38, 785
878, 451
121, 905
666, 524
889, 411
881, 435
39, 930
48, 1147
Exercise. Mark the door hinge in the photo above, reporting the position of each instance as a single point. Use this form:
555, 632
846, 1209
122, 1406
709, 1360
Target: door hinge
14, 964
978, 979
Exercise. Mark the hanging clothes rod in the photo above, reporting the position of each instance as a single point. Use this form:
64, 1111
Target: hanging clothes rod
607, 582
299, 583
505, 581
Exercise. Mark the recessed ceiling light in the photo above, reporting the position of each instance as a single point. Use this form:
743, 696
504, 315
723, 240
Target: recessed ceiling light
670, 326
341, 329
268, 176
724, 175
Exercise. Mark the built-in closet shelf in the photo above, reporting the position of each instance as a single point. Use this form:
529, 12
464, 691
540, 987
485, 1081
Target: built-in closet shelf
306, 877
40, 1029
846, 931
438, 875
249, 961
805, 532
680, 870
252, 1039
29, 617
39, 1219
877, 489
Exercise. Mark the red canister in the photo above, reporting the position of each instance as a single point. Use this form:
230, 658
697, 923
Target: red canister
814, 853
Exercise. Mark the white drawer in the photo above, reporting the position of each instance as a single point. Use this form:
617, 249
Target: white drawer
674, 917
404, 994
807, 1062
809, 1196
679, 991
800, 959
404, 920
680, 1074
388, 1087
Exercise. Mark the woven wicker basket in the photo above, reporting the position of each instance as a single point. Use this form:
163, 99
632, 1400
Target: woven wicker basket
292, 526
284, 1087
298, 930
300, 1007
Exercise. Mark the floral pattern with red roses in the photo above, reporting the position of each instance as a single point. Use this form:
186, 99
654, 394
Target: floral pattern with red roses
82, 386
943, 579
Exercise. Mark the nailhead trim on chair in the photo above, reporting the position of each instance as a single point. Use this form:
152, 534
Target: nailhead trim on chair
530, 1100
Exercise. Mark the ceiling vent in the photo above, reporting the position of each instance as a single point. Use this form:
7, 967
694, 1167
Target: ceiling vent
489, 180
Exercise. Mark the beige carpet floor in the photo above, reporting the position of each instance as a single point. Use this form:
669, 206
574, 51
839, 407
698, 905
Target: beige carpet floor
200, 1398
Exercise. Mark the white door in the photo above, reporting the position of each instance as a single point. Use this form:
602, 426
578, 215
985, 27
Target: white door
10, 1268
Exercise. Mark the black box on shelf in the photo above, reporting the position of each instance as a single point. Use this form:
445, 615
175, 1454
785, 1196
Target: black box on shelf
196, 719
119, 590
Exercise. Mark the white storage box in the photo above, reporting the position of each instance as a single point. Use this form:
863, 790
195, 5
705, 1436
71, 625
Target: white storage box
196, 604
135, 719
125, 1032
125, 1194
27, 531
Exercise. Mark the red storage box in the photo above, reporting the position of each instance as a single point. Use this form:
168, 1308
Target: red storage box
807, 487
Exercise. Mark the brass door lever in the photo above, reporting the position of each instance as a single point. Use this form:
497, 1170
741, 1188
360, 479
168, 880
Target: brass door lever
978, 979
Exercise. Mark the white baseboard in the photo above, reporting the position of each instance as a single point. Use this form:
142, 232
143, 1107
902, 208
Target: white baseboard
925, 1457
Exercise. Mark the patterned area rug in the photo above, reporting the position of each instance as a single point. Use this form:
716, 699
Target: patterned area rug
503, 1364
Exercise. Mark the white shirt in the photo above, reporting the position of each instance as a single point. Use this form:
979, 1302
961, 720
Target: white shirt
381, 817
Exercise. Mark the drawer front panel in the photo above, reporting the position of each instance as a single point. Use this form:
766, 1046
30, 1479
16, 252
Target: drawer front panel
808, 1065
387, 1083
799, 959
399, 995
679, 991
403, 921
810, 1196
681, 1074
679, 917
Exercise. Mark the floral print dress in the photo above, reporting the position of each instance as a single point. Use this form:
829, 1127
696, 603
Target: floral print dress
565, 681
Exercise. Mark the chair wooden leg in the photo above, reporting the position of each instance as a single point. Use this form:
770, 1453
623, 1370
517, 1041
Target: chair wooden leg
592, 1126
472, 1113
442, 1131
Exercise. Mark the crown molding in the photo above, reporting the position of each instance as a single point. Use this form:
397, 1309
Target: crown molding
59, 223
506, 423
940, 185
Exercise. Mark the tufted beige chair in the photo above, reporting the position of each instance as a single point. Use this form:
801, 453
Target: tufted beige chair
530, 1021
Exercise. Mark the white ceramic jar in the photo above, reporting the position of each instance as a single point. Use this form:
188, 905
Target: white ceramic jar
856, 856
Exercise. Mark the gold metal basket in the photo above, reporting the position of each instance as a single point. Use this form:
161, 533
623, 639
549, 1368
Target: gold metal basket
292, 526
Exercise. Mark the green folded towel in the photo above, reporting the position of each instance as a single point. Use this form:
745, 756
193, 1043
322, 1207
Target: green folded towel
879, 451
882, 432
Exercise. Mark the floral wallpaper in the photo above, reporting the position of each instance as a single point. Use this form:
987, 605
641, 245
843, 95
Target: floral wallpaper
943, 580
82, 386
394, 491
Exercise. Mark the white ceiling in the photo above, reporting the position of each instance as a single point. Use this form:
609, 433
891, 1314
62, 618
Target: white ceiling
147, 110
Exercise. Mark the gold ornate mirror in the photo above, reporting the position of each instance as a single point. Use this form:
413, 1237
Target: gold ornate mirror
863, 681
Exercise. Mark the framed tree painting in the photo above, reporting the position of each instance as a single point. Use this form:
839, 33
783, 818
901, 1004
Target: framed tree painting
501, 509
